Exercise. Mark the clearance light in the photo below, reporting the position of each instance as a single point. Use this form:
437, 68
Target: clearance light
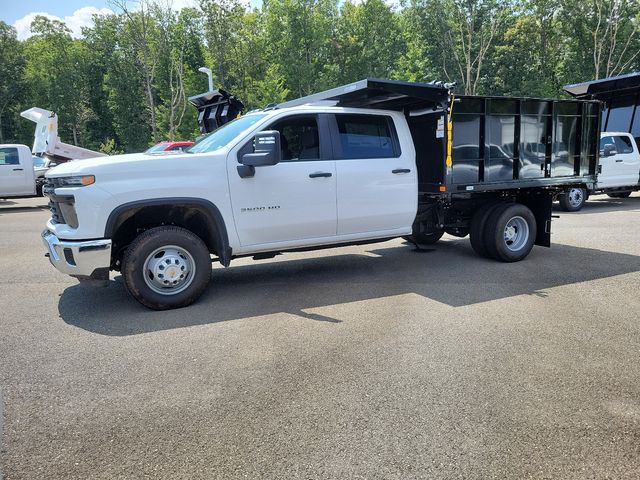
442, 188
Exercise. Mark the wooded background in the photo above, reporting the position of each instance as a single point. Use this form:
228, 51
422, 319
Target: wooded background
124, 85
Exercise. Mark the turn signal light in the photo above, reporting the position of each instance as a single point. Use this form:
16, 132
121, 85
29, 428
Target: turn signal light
442, 188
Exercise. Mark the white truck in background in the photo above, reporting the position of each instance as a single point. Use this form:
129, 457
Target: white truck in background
618, 172
21, 173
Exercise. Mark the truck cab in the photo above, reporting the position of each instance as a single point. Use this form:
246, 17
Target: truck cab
618, 172
17, 178
619, 161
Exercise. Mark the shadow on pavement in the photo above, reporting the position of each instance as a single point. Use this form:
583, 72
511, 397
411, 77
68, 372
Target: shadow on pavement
450, 274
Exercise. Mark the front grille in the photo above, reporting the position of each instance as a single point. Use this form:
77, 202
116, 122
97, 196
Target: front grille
56, 212
61, 206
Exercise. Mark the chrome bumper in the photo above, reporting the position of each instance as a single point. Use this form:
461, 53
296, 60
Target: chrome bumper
79, 259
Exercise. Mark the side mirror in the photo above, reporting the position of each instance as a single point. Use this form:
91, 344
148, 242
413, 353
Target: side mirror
266, 150
609, 150
53, 164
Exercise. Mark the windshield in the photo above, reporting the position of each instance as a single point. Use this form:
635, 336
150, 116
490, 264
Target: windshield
157, 148
38, 162
225, 134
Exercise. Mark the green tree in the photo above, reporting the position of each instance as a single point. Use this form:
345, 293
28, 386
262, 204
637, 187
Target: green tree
12, 85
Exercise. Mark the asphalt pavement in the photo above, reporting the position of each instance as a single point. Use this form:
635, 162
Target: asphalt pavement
364, 362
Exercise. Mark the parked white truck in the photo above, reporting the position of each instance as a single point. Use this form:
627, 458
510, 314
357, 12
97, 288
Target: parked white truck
21, 173
618, 172
17, 176
366, 162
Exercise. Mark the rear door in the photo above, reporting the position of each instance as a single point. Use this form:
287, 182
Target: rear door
15, 179
291, 202
376, 180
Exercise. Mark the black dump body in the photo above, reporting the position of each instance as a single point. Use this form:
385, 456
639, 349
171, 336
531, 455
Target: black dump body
621, 98
498, 143
502, 143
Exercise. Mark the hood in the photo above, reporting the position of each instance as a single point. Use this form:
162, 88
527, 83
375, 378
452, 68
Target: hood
110, 163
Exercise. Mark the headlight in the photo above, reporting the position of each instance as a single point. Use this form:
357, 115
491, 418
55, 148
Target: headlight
76, 181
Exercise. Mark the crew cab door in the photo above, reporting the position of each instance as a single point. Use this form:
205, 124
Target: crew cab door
16, 171
620, 168
377, 181
293, 201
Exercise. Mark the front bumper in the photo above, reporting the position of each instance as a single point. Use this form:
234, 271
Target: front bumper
79, 259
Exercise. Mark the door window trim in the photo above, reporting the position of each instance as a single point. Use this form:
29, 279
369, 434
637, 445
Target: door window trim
337, 145
324, 137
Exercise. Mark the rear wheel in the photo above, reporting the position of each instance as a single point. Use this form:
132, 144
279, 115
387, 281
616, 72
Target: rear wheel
510, 232
166, 267
478, 222
573, 199
619, 194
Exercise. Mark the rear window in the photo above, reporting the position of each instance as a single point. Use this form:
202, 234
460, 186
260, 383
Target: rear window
9, 156
366, 136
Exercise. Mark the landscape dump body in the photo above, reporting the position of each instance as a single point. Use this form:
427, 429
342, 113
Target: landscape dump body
621, 98
495, 150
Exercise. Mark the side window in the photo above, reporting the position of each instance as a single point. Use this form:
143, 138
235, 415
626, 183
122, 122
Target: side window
299, 137
366, 136
606, 141
623, 144
9, 156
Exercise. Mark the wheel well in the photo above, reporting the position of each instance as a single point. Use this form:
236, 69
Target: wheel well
125, 225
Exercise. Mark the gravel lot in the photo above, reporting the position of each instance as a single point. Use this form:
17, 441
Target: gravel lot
359, 362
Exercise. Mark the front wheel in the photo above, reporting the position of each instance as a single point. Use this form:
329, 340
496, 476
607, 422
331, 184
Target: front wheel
166, 267
573, 199
619, 195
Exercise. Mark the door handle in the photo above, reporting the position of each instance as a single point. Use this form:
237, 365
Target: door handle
619, 161
18, 169
319, 174
401, 170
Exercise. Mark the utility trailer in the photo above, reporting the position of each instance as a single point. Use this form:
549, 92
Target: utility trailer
477, 154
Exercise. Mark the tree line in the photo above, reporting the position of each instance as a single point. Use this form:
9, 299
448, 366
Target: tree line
124, 84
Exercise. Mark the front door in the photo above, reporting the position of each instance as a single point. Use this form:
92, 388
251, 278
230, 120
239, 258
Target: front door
621, 169
14, 178
290, 202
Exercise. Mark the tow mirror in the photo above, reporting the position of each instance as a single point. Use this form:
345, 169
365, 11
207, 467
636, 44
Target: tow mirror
266, 150
609, 150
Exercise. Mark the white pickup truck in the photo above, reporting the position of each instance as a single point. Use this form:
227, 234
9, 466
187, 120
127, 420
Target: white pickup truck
21, 173
618, 172
365, 162
17, 176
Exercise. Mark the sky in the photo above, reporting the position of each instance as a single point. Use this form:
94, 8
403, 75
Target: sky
75, 13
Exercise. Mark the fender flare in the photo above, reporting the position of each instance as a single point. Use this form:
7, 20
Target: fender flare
215, 217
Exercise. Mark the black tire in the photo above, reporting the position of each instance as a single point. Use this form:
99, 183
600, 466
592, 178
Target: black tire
137, 254
497, 245
573, 200
425, 238
39, 189
619, 195
476, 233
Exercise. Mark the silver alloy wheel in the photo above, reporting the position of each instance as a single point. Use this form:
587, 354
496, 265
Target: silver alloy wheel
576, 197
169, 270
516, 233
